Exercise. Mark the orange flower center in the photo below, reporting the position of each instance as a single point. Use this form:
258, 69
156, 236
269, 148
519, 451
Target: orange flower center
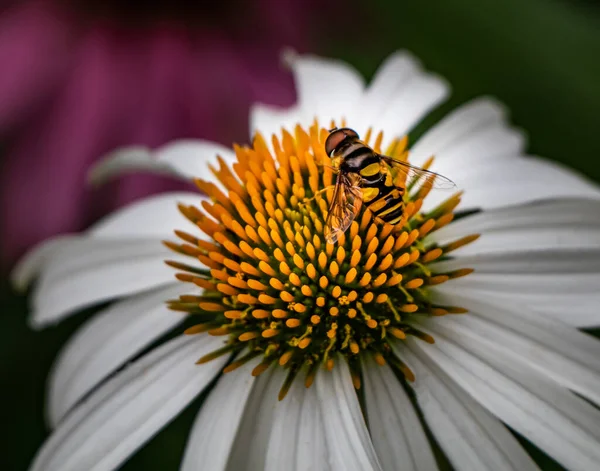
277, 291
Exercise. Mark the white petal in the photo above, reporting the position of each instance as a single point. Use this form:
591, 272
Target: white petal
398, 437
475, 148
389, 81
349, 446
32, 262
106, 342
270, 120
420, 95
327, 88
155, 216
128, 160
297, 438
505, 181
556, 350
211, 439
572, 299
186, 159
249, 451
575, 213
130, 408
561, 237
311, 432
558, 239
471, 437
399, 96
564, 426
92, 270
474, 131
563, 182
584, 260
498, 142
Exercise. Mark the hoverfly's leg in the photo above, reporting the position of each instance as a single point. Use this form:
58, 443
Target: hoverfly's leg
318, 193
333, 169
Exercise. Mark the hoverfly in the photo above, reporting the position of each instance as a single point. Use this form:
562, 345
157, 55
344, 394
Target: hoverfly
364, 176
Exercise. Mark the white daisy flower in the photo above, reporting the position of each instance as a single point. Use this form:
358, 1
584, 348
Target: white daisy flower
299, 326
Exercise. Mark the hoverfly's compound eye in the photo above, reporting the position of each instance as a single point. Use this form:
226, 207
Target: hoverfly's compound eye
336, 137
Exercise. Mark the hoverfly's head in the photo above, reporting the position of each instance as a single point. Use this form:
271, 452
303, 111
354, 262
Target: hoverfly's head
337, 139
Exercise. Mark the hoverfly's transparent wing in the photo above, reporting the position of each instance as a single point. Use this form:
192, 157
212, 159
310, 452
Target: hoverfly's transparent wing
345, 205
418, 176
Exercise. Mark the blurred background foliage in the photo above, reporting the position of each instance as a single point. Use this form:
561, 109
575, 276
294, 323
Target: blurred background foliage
540, 57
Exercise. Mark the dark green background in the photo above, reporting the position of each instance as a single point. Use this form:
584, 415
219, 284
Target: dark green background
541, 57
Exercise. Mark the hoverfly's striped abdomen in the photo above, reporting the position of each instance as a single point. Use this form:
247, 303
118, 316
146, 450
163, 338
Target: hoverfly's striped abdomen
389, 205
380, 195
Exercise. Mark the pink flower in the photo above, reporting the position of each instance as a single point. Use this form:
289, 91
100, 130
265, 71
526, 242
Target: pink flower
75, 86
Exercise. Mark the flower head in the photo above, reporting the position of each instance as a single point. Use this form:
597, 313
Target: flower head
385, 309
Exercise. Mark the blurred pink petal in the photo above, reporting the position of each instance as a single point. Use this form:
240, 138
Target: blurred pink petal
79, 87
32, 43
